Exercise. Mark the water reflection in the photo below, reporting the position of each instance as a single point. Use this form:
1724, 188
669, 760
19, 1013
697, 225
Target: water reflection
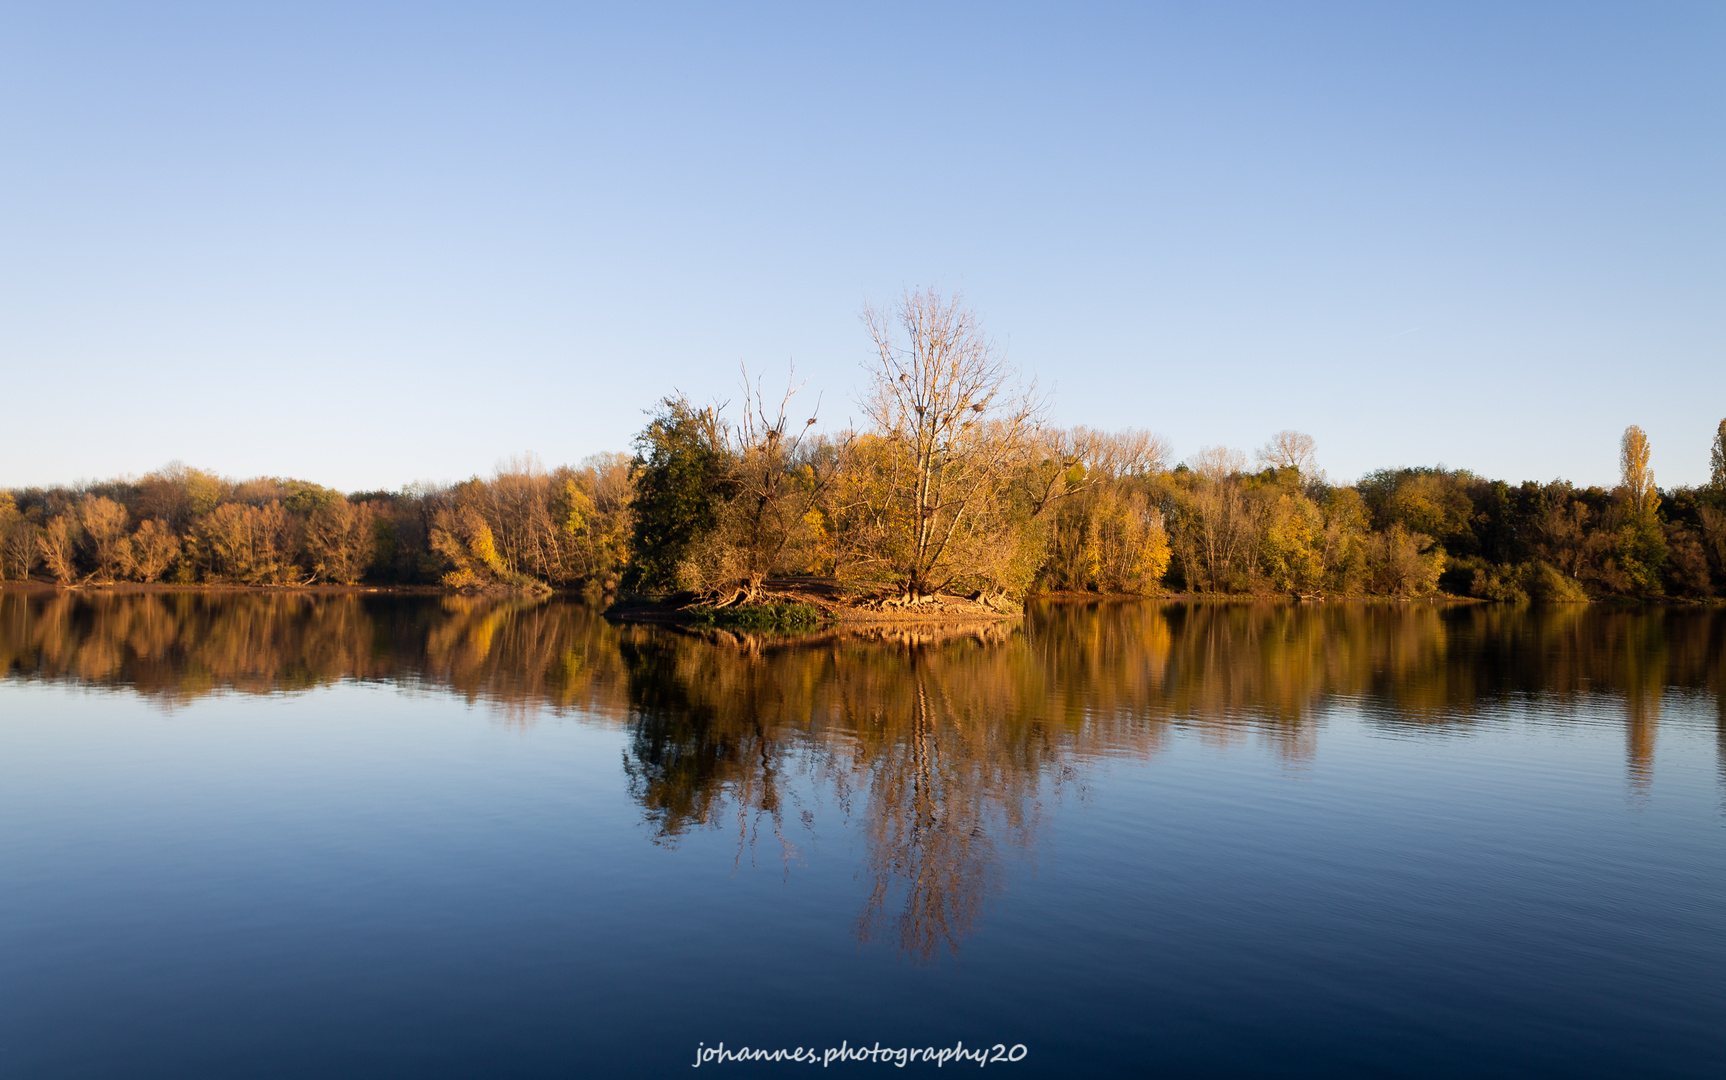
941, 747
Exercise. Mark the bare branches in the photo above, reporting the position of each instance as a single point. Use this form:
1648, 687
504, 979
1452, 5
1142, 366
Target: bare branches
772, 485
1289, 450
1217, 463
957, 422
1117, 454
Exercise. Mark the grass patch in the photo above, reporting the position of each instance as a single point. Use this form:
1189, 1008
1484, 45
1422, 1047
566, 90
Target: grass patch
785, 618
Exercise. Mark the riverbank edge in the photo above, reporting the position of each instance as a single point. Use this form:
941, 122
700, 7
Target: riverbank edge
855, 615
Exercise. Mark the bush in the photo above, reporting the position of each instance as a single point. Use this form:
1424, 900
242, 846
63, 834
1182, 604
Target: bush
1502, 584
1538, 581
1547, 584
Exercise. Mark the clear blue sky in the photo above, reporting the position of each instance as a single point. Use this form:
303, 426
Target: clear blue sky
369, 244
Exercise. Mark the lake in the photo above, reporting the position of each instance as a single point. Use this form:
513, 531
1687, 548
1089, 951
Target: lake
289, 835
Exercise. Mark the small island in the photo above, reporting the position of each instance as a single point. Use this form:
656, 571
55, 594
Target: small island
804, 605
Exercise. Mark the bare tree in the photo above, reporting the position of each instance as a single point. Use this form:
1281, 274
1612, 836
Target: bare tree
154, 549
1289, 450
516, 503
1219, 532
21, 547
1116, 454
1217, 462
57, 543
956, 422
1077, 459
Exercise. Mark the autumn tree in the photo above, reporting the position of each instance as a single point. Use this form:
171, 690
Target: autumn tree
1641, 547
1347, 524
10, 519
464, 538
338, 540
1403, 563
1634, 474
592, 512
20, 547
1218, 530
771, 487
154, 549
516, 503
1109, 539
246, 544
58, 543
561, 527
1291, 530
951, 425
104, 524
178, 495
1108, 533
1116, 455
1717, 461
1433, 501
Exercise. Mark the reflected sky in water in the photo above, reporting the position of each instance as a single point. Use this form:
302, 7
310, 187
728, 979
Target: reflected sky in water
372, 835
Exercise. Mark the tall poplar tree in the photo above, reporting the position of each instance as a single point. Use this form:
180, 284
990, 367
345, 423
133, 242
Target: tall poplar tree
1717, 461
1641, 546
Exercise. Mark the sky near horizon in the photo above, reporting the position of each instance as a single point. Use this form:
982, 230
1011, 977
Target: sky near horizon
370, 244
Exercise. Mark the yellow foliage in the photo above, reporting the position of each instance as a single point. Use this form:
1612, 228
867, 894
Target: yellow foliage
484, 548
462, 579
577, 508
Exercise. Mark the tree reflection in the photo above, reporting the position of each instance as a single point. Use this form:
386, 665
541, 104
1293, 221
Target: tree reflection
940, 746
943, 809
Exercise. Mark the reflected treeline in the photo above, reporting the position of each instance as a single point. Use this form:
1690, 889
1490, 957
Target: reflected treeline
176, 646
940, 746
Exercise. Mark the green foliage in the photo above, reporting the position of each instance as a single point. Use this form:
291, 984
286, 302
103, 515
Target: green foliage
302, 498
1537, 581
677, 472
1641, 551
386, 546
1439, 503
783, 618
1545, 583
1502, 584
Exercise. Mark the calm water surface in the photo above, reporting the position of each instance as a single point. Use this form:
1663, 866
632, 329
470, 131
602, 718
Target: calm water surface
371, 836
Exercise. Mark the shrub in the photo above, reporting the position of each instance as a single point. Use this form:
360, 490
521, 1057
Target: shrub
785, 618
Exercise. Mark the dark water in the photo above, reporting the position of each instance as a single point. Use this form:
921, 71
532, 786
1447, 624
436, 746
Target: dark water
286, 836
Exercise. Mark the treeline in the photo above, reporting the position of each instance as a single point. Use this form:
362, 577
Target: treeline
1419, 531
954, 485
525, 528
